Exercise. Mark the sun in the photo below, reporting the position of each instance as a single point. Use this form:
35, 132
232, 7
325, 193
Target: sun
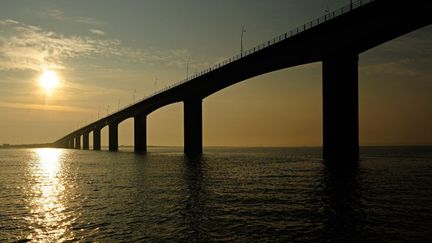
49, 81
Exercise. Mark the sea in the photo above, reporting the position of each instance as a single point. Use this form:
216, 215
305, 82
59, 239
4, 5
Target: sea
225, 195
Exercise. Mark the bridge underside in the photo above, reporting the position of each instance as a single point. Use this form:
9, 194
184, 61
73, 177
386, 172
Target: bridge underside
336, 42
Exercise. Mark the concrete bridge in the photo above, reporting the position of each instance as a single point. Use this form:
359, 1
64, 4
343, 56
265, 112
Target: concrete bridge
336, 39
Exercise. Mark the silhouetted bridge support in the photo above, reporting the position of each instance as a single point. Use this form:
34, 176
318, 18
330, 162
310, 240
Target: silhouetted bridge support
86, 141
193, 127
336, 39
78, 142
140, 133
113, 137
96, 139
340, 107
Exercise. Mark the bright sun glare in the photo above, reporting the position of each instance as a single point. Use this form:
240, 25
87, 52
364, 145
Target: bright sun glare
49, 81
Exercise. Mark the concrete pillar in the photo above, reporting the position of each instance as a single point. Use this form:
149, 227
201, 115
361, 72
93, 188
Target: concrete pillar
78, 142
96, 139
60, 144
193, 127
86, 141
113, 137
140, 133
340, 108
71, 143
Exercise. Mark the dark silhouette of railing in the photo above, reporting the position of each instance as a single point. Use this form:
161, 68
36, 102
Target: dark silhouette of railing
299, 29
336, 39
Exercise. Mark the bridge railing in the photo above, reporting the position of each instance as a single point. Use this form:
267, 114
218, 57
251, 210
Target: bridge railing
299, 29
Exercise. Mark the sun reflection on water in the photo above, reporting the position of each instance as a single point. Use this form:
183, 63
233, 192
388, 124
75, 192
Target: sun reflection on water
49, 161
48, 220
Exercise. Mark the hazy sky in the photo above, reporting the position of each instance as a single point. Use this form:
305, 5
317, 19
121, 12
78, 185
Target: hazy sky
103, 50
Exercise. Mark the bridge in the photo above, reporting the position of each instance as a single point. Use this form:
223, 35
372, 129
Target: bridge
335, 39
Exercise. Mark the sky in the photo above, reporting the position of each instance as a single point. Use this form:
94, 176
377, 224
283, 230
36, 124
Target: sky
109, 53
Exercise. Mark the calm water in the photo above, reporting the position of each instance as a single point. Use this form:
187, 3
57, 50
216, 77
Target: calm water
230, 194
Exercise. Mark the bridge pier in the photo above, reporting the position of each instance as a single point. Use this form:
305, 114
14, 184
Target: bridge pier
78, 142
86, 141
71, 143
61, 144
340, 108
96, 139
113, 137
193, 127
140, 133
65, 144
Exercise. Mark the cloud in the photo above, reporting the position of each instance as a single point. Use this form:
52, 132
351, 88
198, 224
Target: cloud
401, 68
44, 107
97, 32
29, 47
409, 55
86, 20
419, 43
8, 21
60, 15
398, 67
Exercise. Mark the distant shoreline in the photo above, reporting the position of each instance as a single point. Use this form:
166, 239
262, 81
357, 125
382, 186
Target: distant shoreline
41, 145
50, 145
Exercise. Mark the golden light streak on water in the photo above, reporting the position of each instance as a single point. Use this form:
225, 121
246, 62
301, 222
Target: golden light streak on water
47, 196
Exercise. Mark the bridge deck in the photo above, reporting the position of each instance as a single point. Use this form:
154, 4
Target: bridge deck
354, 29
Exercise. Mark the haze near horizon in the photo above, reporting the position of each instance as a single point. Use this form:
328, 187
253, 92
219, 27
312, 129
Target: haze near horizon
63, 64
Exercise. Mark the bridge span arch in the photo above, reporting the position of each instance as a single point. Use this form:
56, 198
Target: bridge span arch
336, 39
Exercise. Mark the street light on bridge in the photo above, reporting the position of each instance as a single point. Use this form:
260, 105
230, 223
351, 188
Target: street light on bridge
133, 97
241, 41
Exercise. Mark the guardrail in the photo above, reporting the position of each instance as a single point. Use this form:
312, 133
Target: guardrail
328, 16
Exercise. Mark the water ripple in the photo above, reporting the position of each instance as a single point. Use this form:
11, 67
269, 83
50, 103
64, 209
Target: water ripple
237, 194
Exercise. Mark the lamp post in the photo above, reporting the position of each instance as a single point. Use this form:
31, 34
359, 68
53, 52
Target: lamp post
327, 12
133, 97
187, 68
241, 41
